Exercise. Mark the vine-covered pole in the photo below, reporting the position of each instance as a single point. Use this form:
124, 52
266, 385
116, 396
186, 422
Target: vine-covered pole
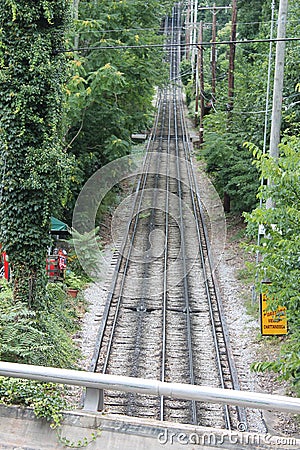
75, 16
32, 74
201, 82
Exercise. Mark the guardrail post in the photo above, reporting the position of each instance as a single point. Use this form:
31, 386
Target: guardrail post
94, 400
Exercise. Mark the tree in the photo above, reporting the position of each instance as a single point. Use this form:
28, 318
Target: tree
33, 166
110, 91
227, 160
280, 248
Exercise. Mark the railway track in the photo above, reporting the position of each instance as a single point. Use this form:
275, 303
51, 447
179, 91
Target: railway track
163, 318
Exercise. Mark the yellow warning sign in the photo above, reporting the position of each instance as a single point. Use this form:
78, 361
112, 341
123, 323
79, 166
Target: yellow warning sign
272, 322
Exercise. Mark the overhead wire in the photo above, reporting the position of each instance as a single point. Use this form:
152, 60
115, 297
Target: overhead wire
133, 29
183, 45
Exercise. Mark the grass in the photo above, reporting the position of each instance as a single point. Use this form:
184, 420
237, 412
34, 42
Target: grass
252, 308
248, 274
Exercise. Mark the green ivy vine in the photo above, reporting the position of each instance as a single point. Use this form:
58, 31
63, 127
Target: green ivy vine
35, 170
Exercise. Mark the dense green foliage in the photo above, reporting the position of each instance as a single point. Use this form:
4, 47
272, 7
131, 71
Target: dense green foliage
280, 247
42, 336
46, 399
228, 161
33, 166
38, 337
110, 92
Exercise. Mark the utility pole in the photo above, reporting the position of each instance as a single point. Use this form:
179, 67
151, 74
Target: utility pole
232, 56
191, 20
199, 67
214, 9
213, 53
187, 30
278, 87
194, 33
197, 82
226, 197
201, 82
278, 79
260, 229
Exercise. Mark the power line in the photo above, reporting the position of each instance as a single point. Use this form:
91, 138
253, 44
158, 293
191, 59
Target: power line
123, 30
126, 30
168, 46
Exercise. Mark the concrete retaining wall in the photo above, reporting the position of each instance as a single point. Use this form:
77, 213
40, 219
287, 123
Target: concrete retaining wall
20, 430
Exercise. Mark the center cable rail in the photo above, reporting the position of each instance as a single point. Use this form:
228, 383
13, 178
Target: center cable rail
169, 142
174, 64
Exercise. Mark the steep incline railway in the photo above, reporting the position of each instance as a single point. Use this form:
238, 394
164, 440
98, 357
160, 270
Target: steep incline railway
163, 317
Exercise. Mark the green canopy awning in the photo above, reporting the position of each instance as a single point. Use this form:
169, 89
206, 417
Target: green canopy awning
58, 225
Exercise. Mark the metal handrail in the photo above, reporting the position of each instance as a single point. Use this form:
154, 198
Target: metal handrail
96, 382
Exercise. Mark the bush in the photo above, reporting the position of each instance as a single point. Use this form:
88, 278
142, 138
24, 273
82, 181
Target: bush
39, 337
46, 399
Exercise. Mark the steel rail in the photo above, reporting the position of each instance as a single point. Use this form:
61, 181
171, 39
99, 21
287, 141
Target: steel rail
141, 307
167, 190
192, 181
140, 187
231, 364
205, 277
201, 249
147, 265
133, 236
165, 280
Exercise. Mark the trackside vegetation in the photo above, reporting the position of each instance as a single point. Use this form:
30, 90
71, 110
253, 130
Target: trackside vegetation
33, 166
280, 249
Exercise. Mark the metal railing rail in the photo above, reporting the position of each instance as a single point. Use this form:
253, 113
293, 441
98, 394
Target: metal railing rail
96, 383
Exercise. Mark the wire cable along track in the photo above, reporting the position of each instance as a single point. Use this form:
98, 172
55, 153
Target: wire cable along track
163, 318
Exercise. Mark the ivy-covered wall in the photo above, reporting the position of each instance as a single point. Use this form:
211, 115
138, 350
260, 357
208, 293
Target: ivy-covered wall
32, 164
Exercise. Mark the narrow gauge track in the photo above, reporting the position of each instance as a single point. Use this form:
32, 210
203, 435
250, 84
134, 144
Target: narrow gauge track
163, 318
